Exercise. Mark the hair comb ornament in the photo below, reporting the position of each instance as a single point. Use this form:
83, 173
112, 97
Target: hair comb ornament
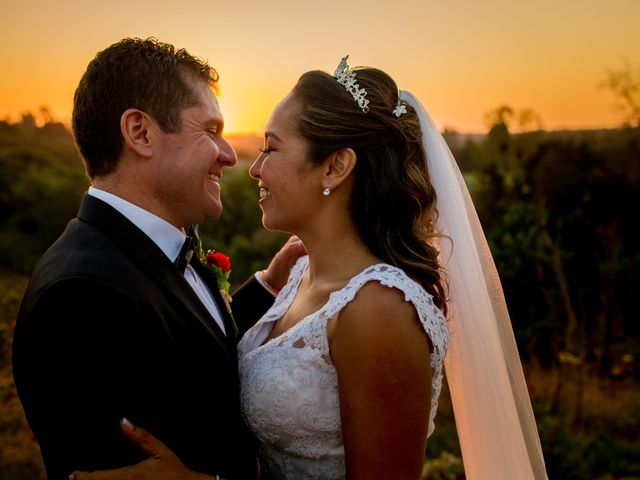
347, 77
400, 109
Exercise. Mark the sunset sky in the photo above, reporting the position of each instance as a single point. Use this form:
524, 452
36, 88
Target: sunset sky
462, 58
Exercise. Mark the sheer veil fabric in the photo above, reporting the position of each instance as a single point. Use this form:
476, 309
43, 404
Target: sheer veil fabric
495, 422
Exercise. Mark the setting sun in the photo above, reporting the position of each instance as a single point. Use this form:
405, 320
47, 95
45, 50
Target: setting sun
461, 58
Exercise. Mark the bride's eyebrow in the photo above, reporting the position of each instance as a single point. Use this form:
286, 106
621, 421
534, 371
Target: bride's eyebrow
269, 135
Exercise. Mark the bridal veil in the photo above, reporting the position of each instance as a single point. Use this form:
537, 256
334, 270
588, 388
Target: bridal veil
497, 430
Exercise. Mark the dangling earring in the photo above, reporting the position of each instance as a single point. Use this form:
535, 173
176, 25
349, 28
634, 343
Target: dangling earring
327, 191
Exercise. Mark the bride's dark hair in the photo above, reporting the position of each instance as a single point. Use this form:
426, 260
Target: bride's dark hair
393, 203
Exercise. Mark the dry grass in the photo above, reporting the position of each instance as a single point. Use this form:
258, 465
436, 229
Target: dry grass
19, 453
603, 401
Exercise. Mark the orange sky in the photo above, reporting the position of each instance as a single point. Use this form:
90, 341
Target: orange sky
461, 57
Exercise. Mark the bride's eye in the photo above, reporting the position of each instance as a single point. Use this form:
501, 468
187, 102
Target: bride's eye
266, 150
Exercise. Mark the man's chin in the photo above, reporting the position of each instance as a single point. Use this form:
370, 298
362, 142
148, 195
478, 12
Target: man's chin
214, 213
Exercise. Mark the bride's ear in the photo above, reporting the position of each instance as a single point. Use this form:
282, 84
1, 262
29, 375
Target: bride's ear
338, 167
135, 126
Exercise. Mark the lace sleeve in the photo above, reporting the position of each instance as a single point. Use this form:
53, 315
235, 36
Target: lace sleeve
431, 318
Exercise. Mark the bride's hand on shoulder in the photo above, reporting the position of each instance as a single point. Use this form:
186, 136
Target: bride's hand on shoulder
162, 463
277, 273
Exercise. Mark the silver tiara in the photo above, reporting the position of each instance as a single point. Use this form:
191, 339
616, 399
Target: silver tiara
345, 76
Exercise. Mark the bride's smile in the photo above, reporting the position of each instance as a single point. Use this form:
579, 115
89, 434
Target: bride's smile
289, 183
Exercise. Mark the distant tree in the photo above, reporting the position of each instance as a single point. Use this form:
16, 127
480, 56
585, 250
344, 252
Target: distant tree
46, 114
452, 137
525, 119
624, 84
501, 115
528, 119
457, 145
28, 121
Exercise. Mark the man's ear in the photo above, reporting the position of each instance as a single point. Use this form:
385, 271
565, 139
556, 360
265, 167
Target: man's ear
135, 126
338, 166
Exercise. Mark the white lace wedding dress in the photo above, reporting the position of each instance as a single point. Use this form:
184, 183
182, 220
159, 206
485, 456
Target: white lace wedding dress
289, 388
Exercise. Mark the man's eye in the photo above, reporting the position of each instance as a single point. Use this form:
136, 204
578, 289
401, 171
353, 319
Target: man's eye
266, 150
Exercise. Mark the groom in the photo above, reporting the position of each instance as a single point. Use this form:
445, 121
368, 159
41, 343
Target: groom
120, 319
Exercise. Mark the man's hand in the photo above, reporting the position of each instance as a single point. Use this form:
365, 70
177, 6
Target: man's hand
277, 273
162, 463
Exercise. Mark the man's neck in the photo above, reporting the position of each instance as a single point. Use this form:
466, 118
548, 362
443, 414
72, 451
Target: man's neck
136, 194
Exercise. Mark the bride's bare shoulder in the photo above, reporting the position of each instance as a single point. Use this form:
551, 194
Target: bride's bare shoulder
381, 311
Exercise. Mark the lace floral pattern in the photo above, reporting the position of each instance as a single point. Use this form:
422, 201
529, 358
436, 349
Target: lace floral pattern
289, 387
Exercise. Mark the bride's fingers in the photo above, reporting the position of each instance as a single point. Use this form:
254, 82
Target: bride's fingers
295, 243
292, 239
153, 447
292, 249
277, 273
161, 464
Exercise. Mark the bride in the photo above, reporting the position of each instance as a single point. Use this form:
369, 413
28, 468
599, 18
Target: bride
341, 377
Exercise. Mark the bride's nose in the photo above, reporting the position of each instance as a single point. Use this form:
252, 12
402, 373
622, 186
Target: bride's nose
254, 169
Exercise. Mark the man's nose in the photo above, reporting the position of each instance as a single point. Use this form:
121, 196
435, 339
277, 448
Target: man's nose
227, 155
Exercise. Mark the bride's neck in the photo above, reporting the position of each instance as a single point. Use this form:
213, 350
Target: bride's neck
336, 256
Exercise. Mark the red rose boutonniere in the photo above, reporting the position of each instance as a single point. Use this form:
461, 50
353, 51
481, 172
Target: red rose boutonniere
220, 265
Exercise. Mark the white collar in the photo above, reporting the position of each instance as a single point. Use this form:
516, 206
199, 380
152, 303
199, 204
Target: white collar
165, 235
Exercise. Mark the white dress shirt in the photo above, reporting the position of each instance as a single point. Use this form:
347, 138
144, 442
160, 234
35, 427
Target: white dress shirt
170, 240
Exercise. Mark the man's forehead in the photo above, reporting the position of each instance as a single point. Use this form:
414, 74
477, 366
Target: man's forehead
213, 113
207, 106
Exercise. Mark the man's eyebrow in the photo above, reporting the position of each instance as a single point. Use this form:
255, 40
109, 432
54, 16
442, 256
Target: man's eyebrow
217, 122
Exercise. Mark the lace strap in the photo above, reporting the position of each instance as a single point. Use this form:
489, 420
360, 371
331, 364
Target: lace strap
431, 317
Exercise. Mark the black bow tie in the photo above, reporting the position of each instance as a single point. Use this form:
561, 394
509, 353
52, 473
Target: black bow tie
188, 247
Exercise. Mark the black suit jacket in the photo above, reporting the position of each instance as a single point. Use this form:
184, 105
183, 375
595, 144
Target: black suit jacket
108, 328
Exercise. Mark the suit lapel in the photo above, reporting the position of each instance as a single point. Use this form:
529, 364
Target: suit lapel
175, 282
142, 251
